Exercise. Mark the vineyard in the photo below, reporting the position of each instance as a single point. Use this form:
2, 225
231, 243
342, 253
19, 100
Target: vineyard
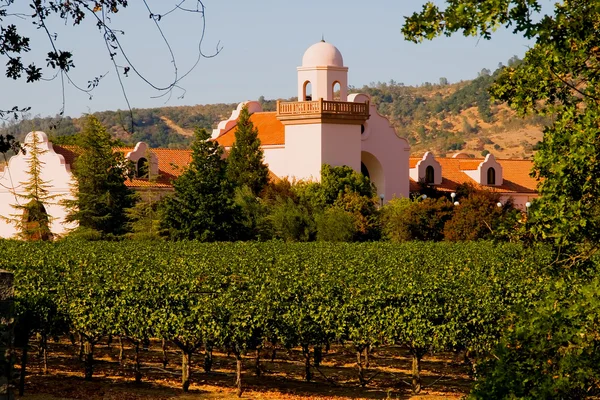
241, 299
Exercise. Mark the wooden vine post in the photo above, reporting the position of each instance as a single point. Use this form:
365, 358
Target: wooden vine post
6, 335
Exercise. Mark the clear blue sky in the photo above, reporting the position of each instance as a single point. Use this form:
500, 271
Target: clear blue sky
263, 43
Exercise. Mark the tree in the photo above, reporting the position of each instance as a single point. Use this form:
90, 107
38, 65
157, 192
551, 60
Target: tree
478, 216
101, 197
551, 353
202, 206
32, 220
245, 164
559, 76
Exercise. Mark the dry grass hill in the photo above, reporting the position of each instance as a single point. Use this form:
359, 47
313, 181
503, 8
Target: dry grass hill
444, 118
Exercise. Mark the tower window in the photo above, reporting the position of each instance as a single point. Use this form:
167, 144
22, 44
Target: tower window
337, 91
491, 176
429, 175
307, 91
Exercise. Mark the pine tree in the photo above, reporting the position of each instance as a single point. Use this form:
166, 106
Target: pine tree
101, 197
32, 220
246, 165
202, 206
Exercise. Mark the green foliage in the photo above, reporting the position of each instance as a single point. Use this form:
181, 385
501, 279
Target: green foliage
245, 163
101, 197
254, 212
145, 217
404, 219
335, 225
551, 351
478, 216
291, 221
556, 77
202, 205
429, 297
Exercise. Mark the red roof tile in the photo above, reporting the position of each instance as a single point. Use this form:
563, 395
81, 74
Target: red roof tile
515, 175
270, 130
171, 164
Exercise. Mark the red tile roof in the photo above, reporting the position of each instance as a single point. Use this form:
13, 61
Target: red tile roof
515, 174
171, 164
270, 130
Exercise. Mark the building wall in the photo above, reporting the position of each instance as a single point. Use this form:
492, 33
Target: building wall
380, 142
341, 145
303, 151
54, 171
275, 158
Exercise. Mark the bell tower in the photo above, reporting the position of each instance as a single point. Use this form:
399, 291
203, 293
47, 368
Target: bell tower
322, 74
322, 127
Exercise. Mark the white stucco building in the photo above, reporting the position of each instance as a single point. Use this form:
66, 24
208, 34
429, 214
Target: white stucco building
327, 126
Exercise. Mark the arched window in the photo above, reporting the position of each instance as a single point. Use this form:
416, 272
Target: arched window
337, 91
429, 175
142, 168
307, 91
491, 176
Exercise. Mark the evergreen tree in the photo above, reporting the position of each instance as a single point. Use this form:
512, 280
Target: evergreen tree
246, 165
101, 197
32, 220
202, 206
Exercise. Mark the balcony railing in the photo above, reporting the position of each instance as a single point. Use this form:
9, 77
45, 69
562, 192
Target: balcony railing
322, 107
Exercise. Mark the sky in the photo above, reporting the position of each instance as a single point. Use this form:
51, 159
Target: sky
262, 44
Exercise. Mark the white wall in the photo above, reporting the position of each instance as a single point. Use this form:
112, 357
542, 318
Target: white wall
341, 145
380, 141
303, 151
54, 171
275, 158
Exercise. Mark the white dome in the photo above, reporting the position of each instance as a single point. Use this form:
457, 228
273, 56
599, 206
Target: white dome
322, 54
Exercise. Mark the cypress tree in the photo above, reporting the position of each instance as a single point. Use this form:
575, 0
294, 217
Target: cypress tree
202, 206
101, 197
246, 165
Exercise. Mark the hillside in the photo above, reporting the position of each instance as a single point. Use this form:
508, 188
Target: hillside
444, 118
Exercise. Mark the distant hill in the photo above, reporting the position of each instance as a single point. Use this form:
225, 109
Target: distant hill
444, 118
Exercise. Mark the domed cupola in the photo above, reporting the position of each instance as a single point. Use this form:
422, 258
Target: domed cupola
322, 54
322, 74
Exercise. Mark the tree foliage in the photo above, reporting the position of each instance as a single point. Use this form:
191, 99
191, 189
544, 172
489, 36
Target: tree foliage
245, 163
202, 206
101, 197
558, 76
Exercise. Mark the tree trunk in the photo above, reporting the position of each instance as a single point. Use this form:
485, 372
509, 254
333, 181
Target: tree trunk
121, 356
208, 357
306, 353
109, 341
44, 343
359, 364
257, 363
274, 354
23, 367
367, 356
238, 381
88, 348
138, 370
165, 357
318, 355
185, 369
416, 372
81, 350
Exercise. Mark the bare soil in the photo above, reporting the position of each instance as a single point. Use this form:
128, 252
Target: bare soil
283, 378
